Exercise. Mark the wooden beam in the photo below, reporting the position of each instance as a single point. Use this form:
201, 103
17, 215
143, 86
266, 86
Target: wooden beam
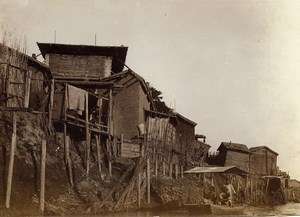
110, 130
181, 171
7, 82
68, 160
156, 167
51, 103
27, 88
43, 174
67, 140
87, 134
11, 160
170, 169
98, 206
176, 171
121, 145
148, 180
98, 139
164, 168
139, 190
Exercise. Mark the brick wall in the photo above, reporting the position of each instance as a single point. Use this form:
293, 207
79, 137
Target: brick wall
79, 66
128, 109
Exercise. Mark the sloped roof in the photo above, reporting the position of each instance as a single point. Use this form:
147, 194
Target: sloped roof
235, 147
228, 169
31, 61
181, 117
118, 53
203, 143
119, 76
253, 149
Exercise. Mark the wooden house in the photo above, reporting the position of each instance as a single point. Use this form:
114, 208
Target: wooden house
24, 81
77, 70
131, 98
185, 130
263, 161
232, 154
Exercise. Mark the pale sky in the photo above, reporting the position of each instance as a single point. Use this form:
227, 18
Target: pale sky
231, 66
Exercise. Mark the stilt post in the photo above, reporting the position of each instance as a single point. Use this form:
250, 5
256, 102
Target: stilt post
43, 175
11, 161
148, 180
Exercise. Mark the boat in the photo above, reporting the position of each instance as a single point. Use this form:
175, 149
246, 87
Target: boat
195, 209
226, 210
198, 209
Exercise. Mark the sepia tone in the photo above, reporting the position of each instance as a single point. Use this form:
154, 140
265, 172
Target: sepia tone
199, 118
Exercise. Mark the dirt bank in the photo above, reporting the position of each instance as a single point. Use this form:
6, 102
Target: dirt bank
61, 199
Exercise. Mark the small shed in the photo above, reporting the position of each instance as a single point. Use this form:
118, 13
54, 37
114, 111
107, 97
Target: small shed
263, 161
230, 154
24, 81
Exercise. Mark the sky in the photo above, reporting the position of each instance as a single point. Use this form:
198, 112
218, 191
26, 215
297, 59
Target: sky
232, 66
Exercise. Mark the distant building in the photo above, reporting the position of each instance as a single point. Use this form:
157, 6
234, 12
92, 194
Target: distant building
231, 154
263, 161
294, 184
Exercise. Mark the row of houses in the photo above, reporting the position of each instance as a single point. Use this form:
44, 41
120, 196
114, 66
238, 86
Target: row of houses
257, 161
91, 95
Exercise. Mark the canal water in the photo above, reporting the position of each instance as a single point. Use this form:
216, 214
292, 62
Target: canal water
290, 209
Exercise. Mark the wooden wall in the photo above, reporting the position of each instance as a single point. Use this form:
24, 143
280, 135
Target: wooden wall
23, 85
263, 162
185, 140
239, 159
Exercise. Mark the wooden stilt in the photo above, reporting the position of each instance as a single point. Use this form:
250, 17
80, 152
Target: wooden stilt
43, 174
155, 167
68, 159
11, 161
148, 180
139, 190
176, 171
98, 139
181, 173
109, 162
255, 190
170, 169
251, 190
27, 88
164, 168
121, 145
67, 139
87, 135
51, 103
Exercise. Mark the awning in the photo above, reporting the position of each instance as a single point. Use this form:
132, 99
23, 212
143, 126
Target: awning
229, 169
